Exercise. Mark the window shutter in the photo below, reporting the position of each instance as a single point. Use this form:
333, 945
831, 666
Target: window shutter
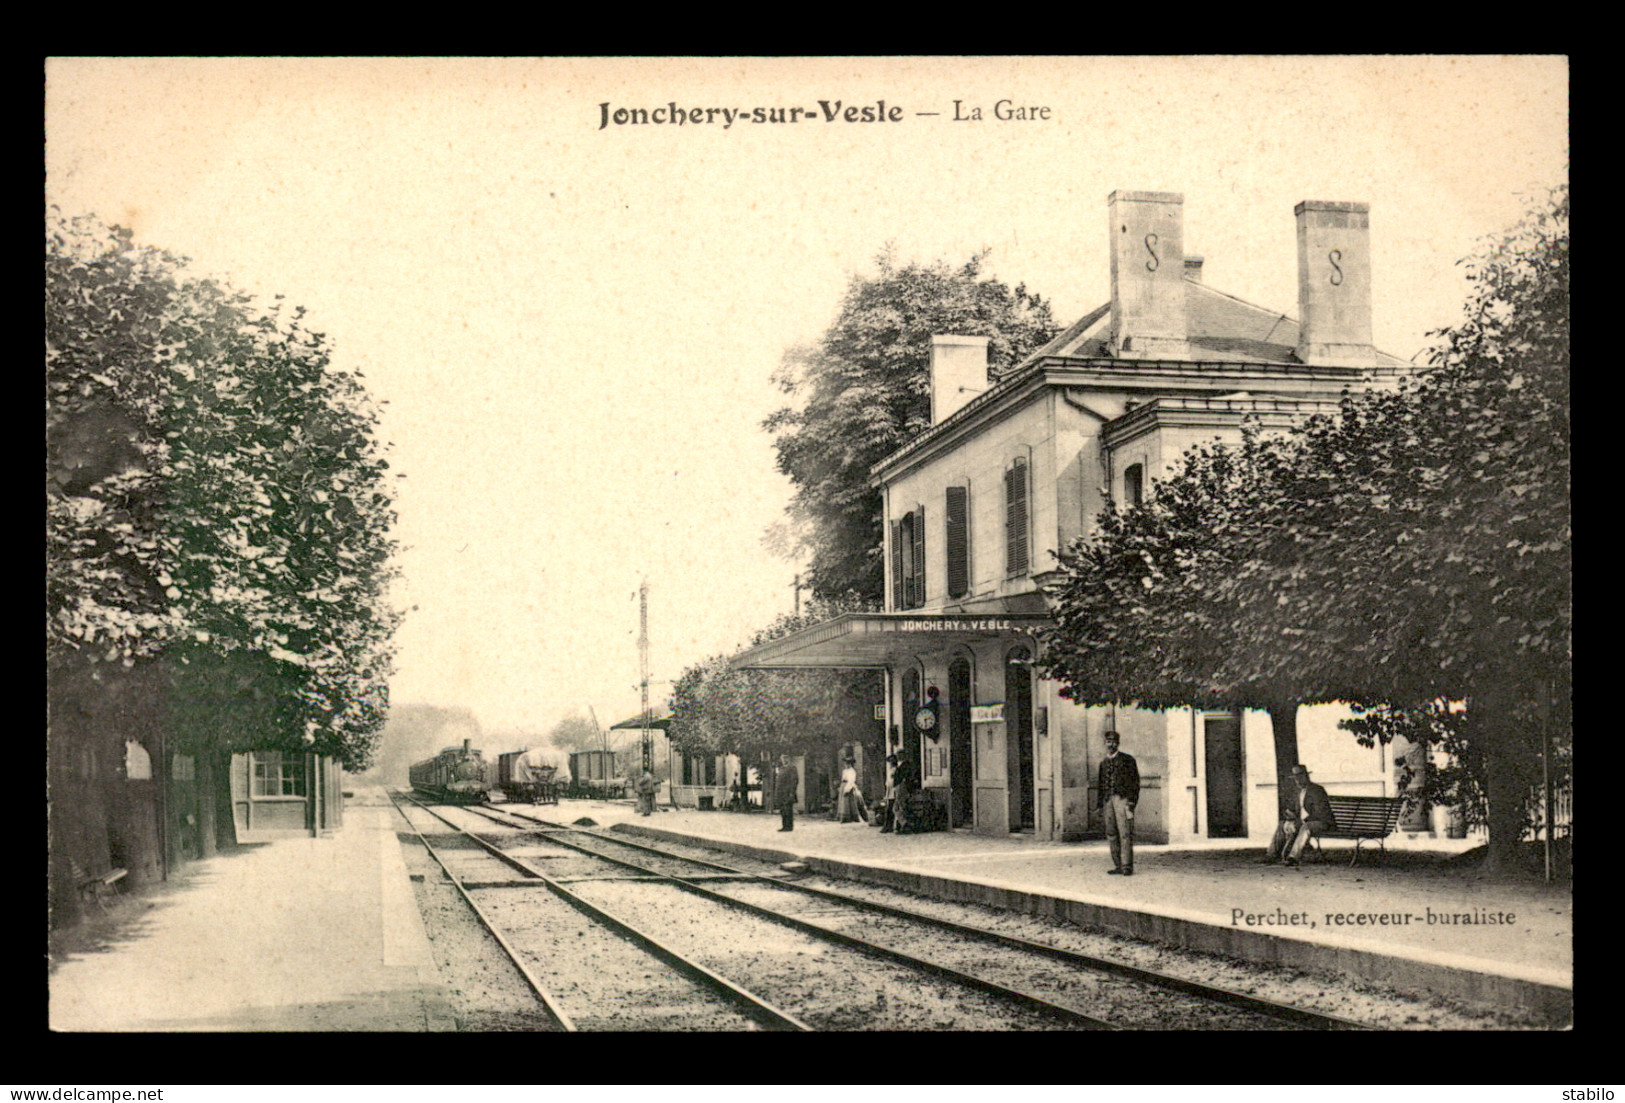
958, 541
1015, 518
919, 555
897, 566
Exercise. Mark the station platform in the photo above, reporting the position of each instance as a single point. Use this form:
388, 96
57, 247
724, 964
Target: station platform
324, 934
1408, 916
299, 934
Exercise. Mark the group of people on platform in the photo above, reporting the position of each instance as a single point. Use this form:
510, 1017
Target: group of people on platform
1304, 813
850, 806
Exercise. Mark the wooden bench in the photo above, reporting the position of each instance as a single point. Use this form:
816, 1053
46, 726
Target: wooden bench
1362, 818
97, 886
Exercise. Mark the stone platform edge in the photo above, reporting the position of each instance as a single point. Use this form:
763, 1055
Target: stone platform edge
1551, 1002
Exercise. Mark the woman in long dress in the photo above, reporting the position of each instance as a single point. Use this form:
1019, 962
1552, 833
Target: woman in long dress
852, 807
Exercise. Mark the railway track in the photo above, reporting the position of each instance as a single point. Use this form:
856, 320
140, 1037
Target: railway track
699, 995
1068, 989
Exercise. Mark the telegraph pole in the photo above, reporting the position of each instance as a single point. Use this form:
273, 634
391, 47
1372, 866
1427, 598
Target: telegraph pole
643, 663
798, 594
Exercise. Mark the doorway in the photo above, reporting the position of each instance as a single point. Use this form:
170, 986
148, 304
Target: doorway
1222, 740
1018, 719
959, 744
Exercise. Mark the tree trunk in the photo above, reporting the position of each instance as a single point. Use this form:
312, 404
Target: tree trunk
1507, 780
1284, 724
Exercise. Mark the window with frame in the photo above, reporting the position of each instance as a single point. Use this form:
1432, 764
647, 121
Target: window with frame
1015, 517
278, 775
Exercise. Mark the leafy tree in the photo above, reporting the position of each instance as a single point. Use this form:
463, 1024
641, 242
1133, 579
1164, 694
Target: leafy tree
217, 503
1456, 776
863, 390
1424, 544
1138, 619
576, 733
759, 713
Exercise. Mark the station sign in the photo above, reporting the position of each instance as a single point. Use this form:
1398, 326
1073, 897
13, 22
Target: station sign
955, 624
987, 714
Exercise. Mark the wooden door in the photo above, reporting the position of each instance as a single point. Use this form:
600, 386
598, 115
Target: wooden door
1222, 741
1018, 720
959, 744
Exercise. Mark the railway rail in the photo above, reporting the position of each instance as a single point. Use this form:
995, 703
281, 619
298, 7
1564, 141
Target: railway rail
1014, 972
752, 1006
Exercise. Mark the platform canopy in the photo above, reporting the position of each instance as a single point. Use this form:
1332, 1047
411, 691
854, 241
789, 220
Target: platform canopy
659, 720
858, 640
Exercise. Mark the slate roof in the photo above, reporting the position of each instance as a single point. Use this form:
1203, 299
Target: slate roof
1220, 328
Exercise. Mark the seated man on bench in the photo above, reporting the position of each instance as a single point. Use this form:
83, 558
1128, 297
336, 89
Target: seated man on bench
1303, 814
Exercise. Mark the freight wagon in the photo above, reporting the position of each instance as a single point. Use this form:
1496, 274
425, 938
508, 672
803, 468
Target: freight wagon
531, 775
595, 774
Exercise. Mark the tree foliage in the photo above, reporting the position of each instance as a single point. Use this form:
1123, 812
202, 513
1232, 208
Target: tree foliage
576, 733
217, 502
863, 390
753, 713
1139, 613
1412, 547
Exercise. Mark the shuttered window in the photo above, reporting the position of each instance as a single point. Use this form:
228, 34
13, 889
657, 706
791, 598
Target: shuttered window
908, 560
897, 601
919, 557
1015, 518
958, 526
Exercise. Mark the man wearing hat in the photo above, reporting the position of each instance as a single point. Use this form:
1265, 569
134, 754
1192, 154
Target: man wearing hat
784, 792
1116, 794
1303, 813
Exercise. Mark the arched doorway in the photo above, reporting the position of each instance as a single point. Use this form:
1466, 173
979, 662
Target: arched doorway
1018, 721
959, 743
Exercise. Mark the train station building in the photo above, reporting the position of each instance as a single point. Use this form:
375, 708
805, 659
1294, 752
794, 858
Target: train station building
976, 506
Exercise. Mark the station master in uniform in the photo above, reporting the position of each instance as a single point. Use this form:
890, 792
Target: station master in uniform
1117, 792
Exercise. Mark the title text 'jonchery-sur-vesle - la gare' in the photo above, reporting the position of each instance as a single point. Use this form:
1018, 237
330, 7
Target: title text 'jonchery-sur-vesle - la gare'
825, 111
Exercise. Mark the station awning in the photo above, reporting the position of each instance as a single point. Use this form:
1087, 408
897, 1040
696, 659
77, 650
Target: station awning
659, 720
856, 640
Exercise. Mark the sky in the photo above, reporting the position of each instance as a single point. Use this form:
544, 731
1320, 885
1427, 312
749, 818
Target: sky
574, 321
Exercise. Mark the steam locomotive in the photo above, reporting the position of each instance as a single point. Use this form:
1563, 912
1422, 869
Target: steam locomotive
455, 775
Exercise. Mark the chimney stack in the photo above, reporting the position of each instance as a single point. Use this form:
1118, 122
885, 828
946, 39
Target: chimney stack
958, 373
1148, 265
1334, 283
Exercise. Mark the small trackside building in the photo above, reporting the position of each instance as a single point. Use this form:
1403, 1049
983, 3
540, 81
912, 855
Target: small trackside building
281, 794
976, 506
